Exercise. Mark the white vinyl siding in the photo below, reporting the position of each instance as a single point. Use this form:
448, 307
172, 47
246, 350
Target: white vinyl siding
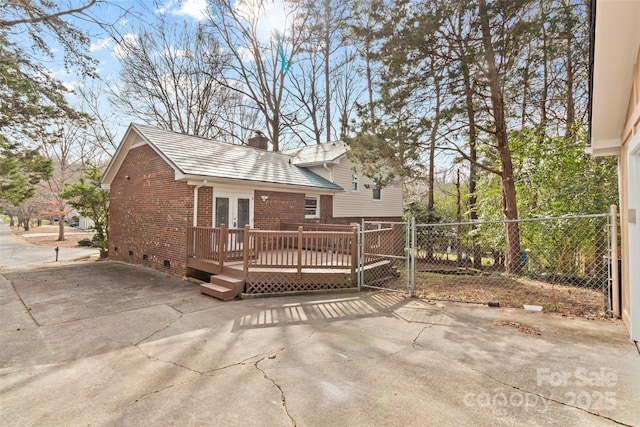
349, 204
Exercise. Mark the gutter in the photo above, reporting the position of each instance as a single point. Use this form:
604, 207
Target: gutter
592, 48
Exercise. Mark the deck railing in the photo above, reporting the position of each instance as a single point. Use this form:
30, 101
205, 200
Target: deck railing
304, 249
204, 243
314, 226
275, 249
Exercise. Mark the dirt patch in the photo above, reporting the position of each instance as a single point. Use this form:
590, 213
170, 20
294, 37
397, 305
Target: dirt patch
47, 236
507, 292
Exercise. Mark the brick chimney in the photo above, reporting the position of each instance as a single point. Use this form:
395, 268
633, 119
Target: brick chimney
258, 141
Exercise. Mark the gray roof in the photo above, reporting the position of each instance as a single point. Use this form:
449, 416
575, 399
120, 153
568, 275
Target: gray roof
201, 157
317, 154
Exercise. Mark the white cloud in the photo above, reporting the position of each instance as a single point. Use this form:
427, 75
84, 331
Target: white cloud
122, 49
164, 8
101, 44
196, 9
273, 19
271, 16
72, 85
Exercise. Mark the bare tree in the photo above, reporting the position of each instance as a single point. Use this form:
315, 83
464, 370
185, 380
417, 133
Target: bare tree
68, 151
168, 77
100, 130
260, 61
348, 89
308, 119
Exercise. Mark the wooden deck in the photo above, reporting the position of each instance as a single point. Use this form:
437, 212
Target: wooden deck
279, 261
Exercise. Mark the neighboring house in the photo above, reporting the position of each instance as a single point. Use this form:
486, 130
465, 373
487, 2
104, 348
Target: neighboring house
85, 223
615, 129
163, 182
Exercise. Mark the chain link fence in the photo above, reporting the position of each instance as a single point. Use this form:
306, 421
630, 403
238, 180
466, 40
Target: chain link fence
384, 257
560, 265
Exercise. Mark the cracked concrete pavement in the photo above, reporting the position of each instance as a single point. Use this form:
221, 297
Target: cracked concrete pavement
106, 344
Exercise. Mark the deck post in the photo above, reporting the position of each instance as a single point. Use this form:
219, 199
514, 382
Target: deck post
247, 252
222, 245
300, 252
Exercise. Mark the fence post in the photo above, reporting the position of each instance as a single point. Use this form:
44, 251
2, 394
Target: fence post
412, 254
354, 253
361, 256
615, 279
300, 252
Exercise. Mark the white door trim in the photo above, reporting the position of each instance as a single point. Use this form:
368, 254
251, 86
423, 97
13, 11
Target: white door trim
233, 197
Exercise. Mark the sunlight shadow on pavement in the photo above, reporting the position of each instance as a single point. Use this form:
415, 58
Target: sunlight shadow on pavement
356, 307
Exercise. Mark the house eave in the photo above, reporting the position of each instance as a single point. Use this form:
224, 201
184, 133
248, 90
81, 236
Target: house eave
128, 142
610, 147
318, 163
211, 181
116, 161
614, 43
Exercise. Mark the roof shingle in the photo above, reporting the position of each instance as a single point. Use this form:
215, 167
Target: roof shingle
196, 156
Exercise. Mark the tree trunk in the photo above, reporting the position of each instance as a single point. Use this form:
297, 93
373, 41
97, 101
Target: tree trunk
432, 175
571, 109
459, 220
545, 74
61, 227
473, 156
327, 52
509, 205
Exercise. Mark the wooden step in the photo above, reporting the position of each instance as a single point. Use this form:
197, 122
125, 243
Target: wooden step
234, 283
233, 271
223, 287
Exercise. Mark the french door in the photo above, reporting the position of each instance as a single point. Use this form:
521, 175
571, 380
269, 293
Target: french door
235, 210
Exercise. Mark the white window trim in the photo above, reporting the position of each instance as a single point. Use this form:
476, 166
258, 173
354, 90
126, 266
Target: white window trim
355, 177
317, 214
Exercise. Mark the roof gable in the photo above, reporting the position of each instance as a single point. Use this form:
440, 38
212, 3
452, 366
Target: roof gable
194, 157
318, 154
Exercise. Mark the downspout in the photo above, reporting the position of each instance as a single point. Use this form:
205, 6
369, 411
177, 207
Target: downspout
195, 202
330, 172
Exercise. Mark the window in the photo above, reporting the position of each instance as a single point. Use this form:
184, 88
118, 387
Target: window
311, 207
377, 193
354, 182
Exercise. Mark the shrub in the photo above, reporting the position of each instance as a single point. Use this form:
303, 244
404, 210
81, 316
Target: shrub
85, 242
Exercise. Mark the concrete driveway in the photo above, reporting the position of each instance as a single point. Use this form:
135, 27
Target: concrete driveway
107, 344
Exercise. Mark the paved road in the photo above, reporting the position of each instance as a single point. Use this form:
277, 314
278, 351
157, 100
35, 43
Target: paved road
15, 253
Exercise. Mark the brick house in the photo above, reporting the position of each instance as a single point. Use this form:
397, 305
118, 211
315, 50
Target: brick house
162, 182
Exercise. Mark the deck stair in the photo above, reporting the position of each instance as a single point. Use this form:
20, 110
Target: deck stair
223, 287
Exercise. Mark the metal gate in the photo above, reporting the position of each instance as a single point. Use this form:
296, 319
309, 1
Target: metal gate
565, 264
384, 256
